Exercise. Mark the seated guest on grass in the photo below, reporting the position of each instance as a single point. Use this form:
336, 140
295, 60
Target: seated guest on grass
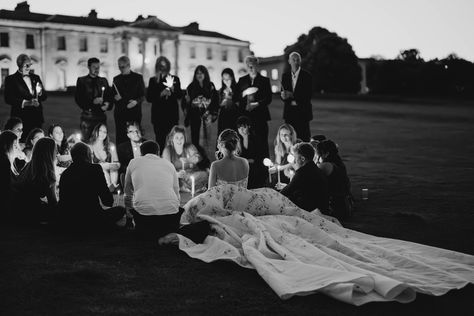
339, 185
31, 139
105, 154
284, 140
152, 194
15, 124
9, 149
57, 134
129, 149
315, 140
187, 160
81, 186
308, 188
36, 182
250, 150
230, 169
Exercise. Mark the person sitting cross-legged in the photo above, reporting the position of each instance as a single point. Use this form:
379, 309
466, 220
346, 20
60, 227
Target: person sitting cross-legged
152, 195
308, 188
80, 187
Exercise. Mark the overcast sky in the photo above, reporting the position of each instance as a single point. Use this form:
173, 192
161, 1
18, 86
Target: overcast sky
373, 27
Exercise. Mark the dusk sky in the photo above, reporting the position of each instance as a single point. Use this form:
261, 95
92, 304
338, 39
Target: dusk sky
373, 27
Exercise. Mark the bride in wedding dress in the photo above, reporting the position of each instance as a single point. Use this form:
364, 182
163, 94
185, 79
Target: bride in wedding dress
298, 252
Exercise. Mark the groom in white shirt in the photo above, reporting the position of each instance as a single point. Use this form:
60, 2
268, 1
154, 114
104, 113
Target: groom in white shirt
152, 195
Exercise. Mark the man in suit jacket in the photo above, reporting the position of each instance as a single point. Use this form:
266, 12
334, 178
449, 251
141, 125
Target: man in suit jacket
255, 106
129, 92
308, 188
164, 100
25, 93
80, 187
296, 95
94, 97
130, 148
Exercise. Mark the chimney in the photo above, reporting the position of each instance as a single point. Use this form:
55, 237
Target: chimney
139, 18
22, 7
93, 14
193, 26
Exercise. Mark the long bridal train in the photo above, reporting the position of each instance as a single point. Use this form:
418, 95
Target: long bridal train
298, 253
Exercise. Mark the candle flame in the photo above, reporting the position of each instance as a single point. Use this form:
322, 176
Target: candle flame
267, 162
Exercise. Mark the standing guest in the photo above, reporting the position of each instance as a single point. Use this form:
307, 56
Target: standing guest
339, 185
284, 140
105, 154
129, 92
155, 203
9, 149
130, 149
24, 92
229, 102
36, 182
187, 160
55, 132
164, 91
94, 97
296, 94
81, 186
15, 125
308, 188
250, 150
231, 169
33, 136
202, 103
254, 102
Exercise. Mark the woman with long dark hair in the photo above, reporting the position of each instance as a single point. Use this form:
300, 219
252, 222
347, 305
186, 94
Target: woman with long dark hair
36, 182
105, 154
33, 136
9, 149
187, 160
202, 103
228, 102
340, 199
56, 132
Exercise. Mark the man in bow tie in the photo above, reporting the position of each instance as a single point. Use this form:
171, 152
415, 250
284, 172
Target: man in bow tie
24, 92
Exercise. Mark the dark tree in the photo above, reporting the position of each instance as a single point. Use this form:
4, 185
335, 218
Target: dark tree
330, 59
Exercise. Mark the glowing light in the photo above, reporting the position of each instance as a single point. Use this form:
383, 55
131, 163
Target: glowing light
290, 158
267, 162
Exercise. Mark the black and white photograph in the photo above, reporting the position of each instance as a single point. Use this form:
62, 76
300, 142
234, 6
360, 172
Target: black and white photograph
236, 158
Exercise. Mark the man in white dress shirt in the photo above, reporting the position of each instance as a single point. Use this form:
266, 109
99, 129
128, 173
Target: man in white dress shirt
152, 194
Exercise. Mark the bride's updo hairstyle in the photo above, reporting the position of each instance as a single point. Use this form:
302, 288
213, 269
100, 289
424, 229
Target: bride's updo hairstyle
230, 140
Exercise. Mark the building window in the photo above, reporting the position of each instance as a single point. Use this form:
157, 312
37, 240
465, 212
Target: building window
4, 40
104, 45
5, 72
263, 72
61, 42
192, 52
83, 44
30, 41
224, 55
274, 88
275, 74
140, 48
124, 47
155, 49
241, 56
209, 53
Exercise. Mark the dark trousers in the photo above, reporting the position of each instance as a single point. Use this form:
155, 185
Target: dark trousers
98, 220
261, 133
28, 125
88, 122
301, 127
195, 122
156, 226
162, 129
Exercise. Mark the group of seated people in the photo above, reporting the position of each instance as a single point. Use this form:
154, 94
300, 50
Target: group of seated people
315, 177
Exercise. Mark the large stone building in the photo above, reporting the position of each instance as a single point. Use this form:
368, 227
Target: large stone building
60, 45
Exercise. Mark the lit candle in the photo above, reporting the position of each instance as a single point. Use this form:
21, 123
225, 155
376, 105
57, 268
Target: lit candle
290, 158
268, 163
103, 89
112, 148
192, 186
182, 164
278, 172
38, 88
78, 137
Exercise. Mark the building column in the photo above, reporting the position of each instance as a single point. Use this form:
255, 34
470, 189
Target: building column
143, 44
43, 57
176, 55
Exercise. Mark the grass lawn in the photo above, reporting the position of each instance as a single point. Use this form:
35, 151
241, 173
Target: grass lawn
415, 159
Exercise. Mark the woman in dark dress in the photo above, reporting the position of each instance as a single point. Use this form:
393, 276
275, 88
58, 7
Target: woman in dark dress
250, 150
36, 182
33, 136
340, 199
228, 100
202, 104
9, 149
57, 134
